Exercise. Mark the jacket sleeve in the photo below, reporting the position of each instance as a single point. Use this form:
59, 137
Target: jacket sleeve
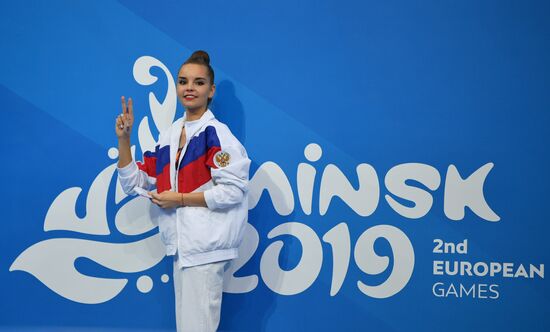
139, 174
229, 168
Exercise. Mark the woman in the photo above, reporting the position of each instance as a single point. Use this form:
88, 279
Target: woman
200, 171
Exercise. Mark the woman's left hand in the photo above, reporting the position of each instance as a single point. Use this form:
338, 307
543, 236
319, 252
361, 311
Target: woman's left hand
167, 199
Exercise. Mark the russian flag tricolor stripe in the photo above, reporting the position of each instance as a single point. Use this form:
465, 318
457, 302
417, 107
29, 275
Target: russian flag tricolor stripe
157, 164
163, 158
195, 166
194, 169
200, 145
149, 164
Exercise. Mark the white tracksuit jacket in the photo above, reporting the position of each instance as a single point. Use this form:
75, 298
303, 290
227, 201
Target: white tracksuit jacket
212, 161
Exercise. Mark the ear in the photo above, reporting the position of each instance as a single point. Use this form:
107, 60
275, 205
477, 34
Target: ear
212, 90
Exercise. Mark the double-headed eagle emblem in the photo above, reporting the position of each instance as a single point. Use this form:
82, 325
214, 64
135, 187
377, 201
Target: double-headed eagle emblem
221, 158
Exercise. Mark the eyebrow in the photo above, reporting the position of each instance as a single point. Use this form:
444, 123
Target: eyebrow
197, 78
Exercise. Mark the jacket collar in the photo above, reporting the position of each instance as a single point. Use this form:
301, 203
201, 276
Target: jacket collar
192, 127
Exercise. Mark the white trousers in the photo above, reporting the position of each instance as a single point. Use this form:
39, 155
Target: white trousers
198, 291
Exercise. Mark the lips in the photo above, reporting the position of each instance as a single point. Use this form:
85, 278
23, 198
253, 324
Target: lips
189, 97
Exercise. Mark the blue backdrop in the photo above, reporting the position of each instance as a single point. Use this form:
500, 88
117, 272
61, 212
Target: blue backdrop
399, 162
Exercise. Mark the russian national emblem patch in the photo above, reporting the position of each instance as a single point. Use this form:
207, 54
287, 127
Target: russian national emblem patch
222, 158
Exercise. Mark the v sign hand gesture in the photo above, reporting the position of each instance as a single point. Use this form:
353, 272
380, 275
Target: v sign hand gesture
123, 129
125, 121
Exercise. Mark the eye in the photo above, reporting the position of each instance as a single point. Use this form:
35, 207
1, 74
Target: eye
182, 81
200, 83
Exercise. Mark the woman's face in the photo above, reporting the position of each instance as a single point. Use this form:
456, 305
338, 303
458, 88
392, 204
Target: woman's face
194, 86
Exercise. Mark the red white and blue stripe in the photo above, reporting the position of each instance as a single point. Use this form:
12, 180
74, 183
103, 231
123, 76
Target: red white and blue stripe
194, 168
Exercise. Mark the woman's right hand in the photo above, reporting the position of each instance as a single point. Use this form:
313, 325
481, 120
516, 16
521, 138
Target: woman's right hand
125, 121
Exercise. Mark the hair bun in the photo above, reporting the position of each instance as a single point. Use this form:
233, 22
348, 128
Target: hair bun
199, 56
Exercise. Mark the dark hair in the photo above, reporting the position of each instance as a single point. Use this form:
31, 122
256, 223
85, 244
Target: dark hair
200, 57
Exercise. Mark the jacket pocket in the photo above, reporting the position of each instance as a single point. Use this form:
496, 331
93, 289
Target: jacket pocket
195, 230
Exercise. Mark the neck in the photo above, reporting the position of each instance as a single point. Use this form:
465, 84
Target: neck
194, 114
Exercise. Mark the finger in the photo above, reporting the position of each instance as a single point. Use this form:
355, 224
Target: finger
123, 102
119, 123
125, 112
123, 121
131, 108
155, 201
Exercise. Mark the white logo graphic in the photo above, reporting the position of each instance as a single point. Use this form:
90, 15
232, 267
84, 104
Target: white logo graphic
52, 261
